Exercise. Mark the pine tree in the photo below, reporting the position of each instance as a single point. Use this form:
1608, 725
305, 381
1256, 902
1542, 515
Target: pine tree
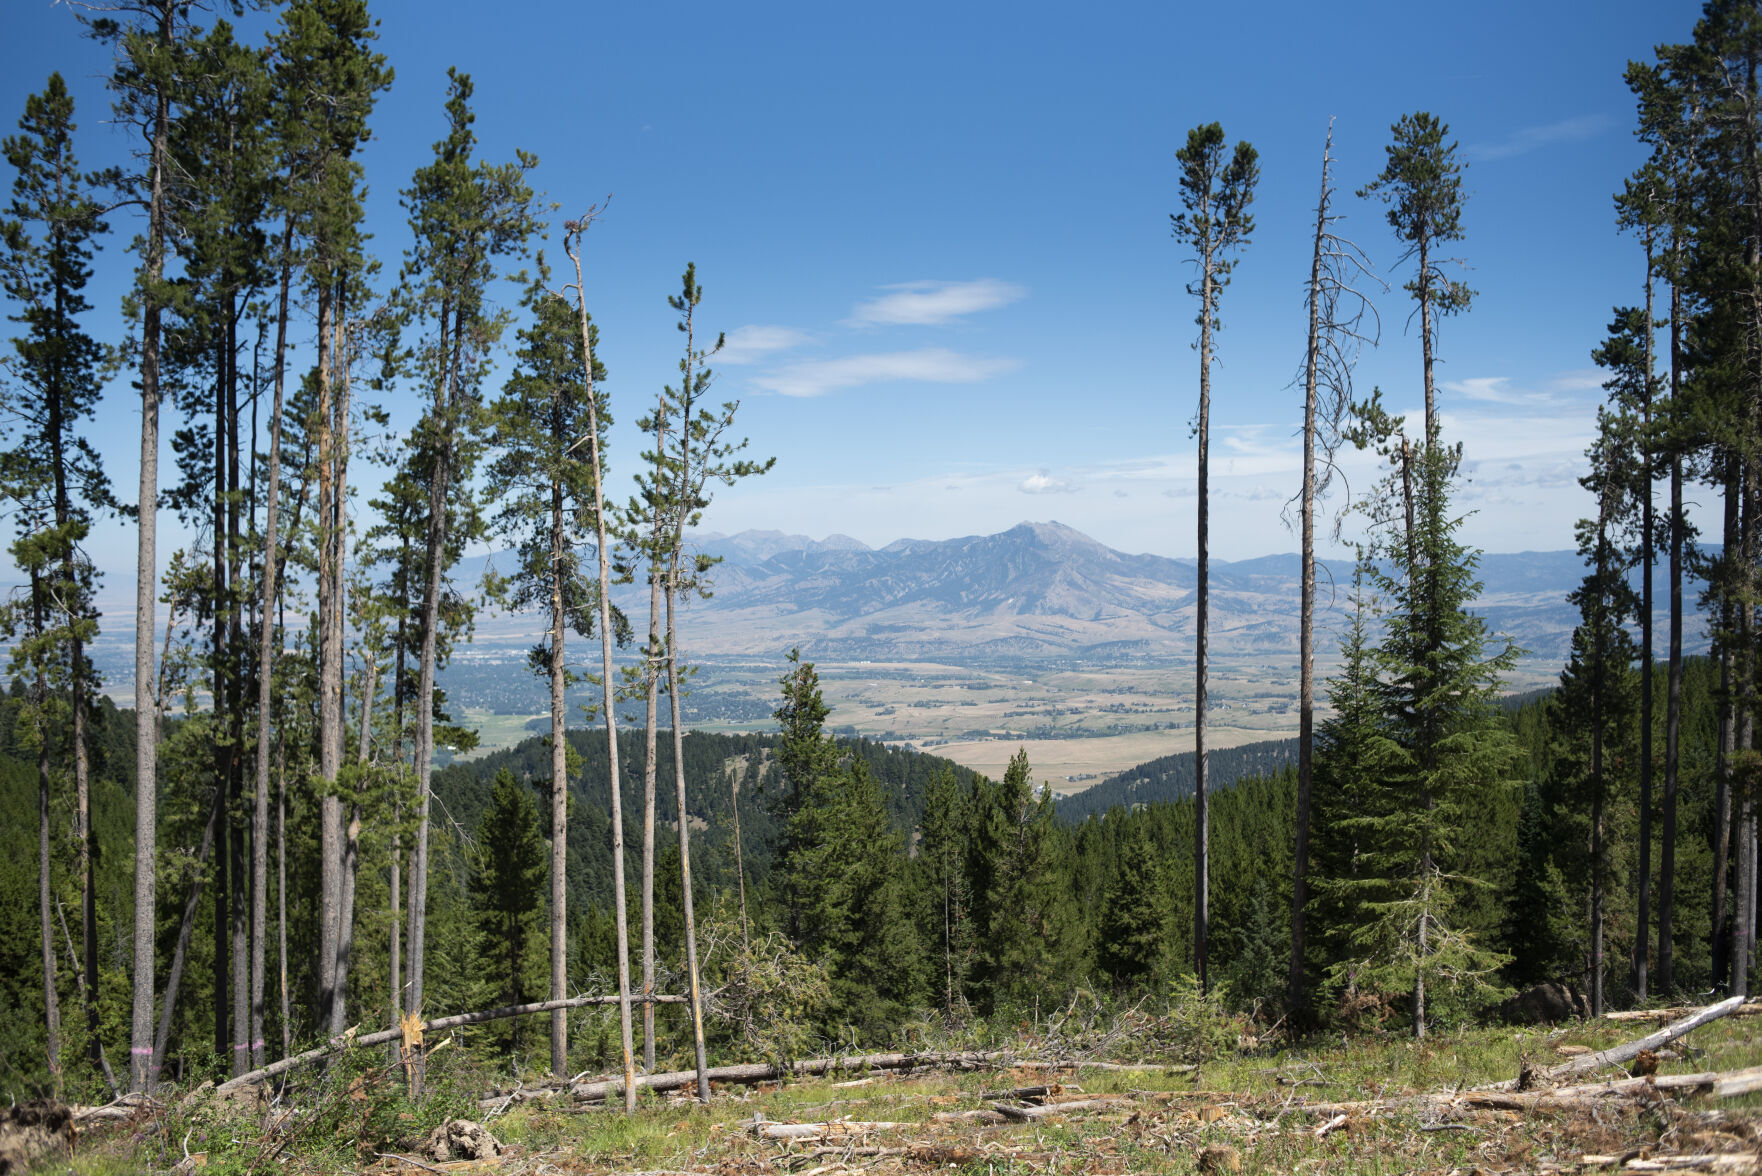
1216, 195
1445, 757
1134, 922
55, 479
507, 885
465, 218
1029, 933
542, 481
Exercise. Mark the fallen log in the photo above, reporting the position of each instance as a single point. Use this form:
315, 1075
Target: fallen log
1727, 1084
1747, 1009
835, 1129
752, 1072
351, 1037
1623, 1053
1029, 1114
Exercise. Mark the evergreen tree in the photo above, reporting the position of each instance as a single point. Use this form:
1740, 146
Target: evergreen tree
1216, 223
507, 888
466, 217
1445, 758
54, 478
542, 482
1135, 914
1029, 931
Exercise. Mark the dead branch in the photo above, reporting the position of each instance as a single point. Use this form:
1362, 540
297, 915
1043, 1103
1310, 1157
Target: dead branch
1623, 1053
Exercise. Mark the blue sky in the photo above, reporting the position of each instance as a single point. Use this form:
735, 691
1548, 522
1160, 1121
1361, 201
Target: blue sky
937, 236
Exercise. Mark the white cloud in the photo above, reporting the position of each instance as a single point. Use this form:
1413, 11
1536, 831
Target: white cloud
1489, 390
931, 303
755, 341
1044, 483
931, 365
1527, 139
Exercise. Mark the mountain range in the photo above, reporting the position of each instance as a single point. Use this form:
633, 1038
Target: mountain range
1046, 591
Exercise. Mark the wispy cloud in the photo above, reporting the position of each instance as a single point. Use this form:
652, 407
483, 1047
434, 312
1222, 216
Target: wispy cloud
1044, 483
1490, 390
931, 365
930, 303
753, 342
1527, 139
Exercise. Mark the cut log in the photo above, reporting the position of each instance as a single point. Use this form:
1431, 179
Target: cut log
765, 1072
1728, 1084
836, 1129
1748, 1009
350, 1037
1029, 1114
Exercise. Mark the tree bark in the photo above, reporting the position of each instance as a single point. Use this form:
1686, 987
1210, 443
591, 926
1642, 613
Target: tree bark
1202, 825
51, 997
436, 542
697, 1004
1643, 915
607, 702
1673, 695
141, 1067
266, 660
559, 768
1294, 989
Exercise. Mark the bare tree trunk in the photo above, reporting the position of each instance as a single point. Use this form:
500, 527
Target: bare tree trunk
330, 722
266, 663
141, 1067
281, 890
575, 229
1643, 915
235, 719
1727, 739
651, 672
436, 544
45, 904
559, 778
1673, 695
1202, 824
1294, 993
697, 1006
349, 864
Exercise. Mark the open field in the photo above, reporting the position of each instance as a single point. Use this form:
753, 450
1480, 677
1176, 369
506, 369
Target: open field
1371, 1104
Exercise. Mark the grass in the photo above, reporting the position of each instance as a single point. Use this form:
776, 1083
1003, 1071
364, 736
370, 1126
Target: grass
1249, 1102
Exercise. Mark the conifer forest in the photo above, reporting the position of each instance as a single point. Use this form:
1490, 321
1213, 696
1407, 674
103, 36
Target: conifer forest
278, 866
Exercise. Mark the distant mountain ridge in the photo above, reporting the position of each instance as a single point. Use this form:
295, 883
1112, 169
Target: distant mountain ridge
1045, 591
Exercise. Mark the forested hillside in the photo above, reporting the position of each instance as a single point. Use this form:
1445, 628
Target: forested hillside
282, 842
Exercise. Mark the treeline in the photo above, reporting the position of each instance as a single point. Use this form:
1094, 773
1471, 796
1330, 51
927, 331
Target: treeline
1172, 777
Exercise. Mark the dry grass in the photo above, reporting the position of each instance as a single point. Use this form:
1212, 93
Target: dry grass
1243, 1113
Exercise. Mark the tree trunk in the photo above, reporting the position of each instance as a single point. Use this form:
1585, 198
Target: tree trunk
1723, 772
141, 1067
348, 866
436, 545
281, 890
651, 672
1643, 915
45, 904
739, 865
606, 680
1294, 991
1673, 695
559, 776
1202, 826
697, 1006
266, 661
330, 743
